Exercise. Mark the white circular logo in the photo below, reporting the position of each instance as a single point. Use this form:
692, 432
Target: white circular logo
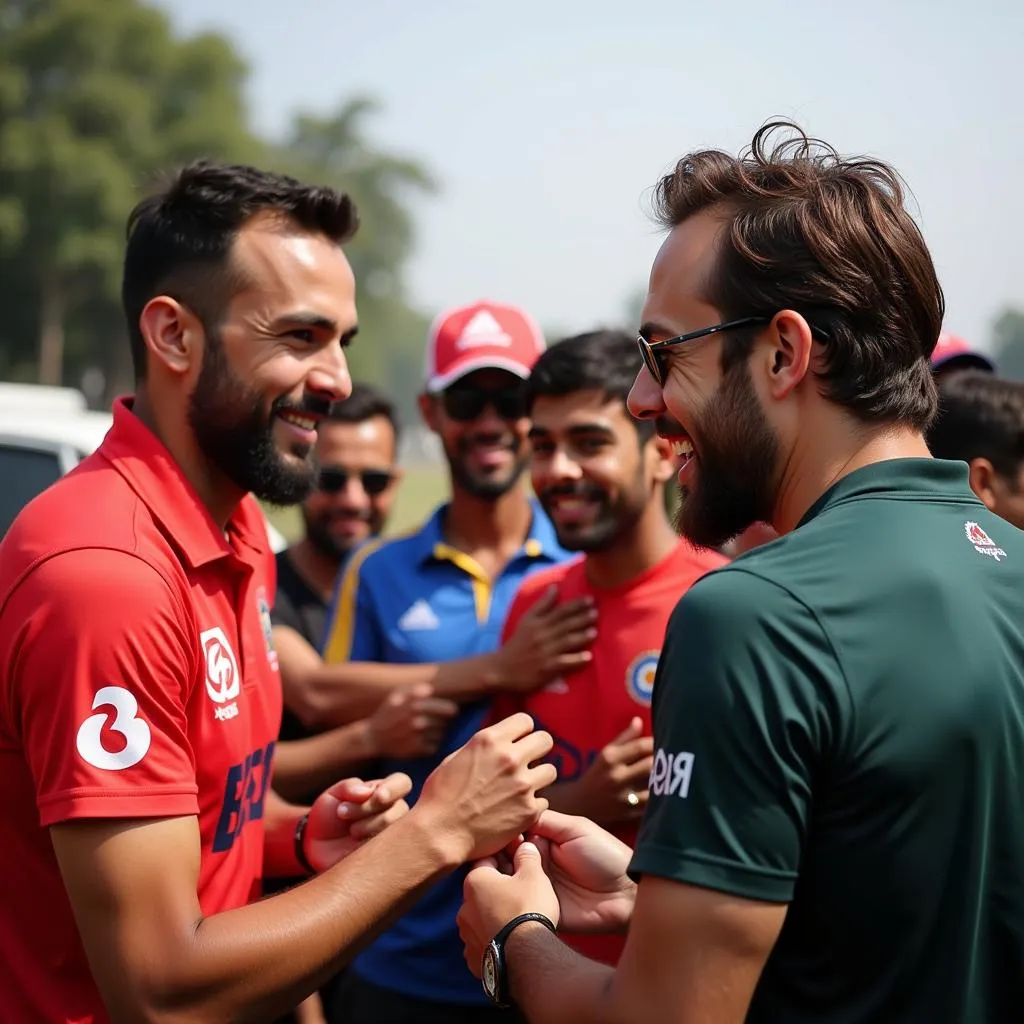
640, 677
222, 683
136, 732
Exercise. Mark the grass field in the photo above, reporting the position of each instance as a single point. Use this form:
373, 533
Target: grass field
422, 489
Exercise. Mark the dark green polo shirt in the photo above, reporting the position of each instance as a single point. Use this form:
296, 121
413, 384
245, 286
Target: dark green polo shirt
839, 725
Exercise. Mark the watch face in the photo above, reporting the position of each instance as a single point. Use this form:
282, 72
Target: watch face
489, 972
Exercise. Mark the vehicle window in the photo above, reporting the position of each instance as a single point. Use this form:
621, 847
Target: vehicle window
23, 474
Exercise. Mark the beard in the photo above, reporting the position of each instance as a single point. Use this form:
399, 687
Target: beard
235, 432
737, 453
485, 487
612, 520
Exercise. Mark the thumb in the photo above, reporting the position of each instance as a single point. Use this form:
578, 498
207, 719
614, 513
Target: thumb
351, 791
527, 861
631, 732
420, 691
547, 600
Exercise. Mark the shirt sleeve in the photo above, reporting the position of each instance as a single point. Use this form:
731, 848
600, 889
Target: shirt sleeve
748, 704
353, 627
100, 660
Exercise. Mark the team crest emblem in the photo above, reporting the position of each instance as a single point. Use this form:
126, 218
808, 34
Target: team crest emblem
982, 542
640, 677
267, 626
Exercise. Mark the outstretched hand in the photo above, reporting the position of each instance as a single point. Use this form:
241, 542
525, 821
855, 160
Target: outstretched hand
351, 812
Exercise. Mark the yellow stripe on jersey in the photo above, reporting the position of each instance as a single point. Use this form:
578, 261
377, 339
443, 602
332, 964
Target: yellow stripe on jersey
339, 639
482, 587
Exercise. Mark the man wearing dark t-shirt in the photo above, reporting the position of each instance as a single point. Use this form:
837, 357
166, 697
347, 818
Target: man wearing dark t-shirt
357, 449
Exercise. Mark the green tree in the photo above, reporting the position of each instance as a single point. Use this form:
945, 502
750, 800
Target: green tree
98, 98
1008, 343
94, 98
336, 151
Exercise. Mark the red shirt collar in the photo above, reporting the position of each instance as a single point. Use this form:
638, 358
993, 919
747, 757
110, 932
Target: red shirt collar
151, 471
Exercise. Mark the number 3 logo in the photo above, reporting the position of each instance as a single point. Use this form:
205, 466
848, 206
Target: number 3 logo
126, 721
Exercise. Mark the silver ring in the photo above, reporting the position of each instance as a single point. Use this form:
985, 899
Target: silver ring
632, 799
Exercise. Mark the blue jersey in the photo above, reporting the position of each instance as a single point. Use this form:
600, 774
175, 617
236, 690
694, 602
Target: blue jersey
416, 599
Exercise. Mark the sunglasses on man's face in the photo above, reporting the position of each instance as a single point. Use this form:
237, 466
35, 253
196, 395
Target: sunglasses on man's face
466, 404
655, 353
335, 478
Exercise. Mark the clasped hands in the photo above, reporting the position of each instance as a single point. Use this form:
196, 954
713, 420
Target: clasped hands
567, 868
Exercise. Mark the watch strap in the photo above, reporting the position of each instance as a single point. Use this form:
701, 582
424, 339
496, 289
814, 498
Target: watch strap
502, 936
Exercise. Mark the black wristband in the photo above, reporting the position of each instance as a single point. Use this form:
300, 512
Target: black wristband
493, 970
502, 937
300, 849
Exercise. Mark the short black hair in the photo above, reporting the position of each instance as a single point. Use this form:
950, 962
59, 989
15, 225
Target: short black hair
365, 402
180, 239
980, 416
606, 360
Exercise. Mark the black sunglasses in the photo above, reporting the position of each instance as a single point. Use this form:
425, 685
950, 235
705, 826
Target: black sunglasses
335, 478
466, 404
655, 356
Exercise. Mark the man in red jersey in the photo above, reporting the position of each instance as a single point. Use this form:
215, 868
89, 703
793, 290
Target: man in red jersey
139, 689
601, 475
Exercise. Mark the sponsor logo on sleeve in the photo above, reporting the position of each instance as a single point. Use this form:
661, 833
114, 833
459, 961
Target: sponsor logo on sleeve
671, 773
113, 744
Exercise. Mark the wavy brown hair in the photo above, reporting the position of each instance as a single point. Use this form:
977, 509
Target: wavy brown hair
828, 237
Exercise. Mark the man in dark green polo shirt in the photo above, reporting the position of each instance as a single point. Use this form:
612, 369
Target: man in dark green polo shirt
835, 830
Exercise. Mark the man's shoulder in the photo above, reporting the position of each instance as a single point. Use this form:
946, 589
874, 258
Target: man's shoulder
91, 508
384, 556
737, 598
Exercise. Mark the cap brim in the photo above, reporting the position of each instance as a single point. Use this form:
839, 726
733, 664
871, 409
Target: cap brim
440, 381
967, 360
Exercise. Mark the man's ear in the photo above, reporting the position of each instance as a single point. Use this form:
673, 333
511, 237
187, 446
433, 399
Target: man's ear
788, 354
173, 335
428, 410
984, 481
666, 464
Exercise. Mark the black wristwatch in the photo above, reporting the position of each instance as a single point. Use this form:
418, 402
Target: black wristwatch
493, 973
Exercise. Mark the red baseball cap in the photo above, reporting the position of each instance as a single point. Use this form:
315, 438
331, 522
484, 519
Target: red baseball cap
483, 336
950, 349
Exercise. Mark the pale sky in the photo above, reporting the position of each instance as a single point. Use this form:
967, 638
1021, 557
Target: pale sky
548, 122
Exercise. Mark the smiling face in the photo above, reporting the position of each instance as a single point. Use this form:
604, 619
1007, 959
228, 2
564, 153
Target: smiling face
357, 485
589, 470
728, 449
274, 364
483, 431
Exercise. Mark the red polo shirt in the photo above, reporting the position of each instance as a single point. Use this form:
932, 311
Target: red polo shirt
137, 680
589, 708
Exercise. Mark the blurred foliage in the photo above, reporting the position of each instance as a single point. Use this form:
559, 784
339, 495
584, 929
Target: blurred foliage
96, 100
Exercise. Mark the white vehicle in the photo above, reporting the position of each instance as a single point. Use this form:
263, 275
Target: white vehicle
44, 433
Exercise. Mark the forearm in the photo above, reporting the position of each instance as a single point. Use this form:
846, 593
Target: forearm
256, 962
343, 693
327, 696
553, 984
312, 764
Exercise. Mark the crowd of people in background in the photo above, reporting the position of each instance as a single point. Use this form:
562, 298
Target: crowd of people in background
694, 699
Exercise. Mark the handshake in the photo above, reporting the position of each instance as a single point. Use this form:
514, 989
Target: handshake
481, 805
